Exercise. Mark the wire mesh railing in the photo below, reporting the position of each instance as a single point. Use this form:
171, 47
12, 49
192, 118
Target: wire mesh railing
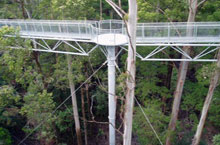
146, 32
179, 29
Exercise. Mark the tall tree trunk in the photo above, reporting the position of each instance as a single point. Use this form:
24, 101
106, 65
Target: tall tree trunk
87, 93
36, 59
74, 103
26, 15
212, 86
84, 116
100, 5
119, 3
131, 68
157, 10
181, 74
167, 83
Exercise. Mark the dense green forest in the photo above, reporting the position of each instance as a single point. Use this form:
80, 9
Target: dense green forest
33, 84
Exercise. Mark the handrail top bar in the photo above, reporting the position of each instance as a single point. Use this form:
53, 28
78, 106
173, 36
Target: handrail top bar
48, 21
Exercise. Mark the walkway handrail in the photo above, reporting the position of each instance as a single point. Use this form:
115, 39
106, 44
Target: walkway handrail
146, 32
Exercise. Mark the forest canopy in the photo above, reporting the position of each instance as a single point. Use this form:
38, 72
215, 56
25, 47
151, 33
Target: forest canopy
34, 85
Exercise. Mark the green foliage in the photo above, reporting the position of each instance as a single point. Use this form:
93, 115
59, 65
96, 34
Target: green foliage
121, 83
214, 111
19, 73
198, 91
9, 101
65, 120
8, 96
193, 98
19, 67
162, 10
187, 139
72, 9
60, 73
152, 108
38, 107
5, 138
209, 11
60, 78
9, 9
216, 139
5, 41
204, 74
100, 98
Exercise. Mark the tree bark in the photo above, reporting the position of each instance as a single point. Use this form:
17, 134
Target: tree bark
26, 15
213, 84
100, 4
84, 116
119, 3
131, 68
36, 59
167, 83
181, 74
87, 94
74, 103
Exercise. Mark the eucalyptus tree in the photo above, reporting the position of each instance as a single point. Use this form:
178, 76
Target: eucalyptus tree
131, 72
213, 84
130, 20
74, 102
193, 6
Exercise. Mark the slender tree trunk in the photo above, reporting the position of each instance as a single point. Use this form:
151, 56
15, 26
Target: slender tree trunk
84, 116
213, 84
131, 68
182, 74
26, 15
167, 83
169, 74
36, 59
74, 103
100, 5
119, 3
157, 10
87, 94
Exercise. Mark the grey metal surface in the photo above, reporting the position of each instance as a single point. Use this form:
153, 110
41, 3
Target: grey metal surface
111, 93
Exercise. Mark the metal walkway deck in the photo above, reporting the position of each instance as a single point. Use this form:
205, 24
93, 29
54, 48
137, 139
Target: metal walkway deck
203, 32
148, 34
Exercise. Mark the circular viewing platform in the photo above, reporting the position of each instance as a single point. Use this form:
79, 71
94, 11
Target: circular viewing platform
111, 39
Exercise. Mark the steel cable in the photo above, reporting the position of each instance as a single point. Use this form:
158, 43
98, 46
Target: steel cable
148, 121
62, 103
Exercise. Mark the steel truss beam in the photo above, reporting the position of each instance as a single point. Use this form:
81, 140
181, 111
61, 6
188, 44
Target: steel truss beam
77, 49
43, 46
197, 58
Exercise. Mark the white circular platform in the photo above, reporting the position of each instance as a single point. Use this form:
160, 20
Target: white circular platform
111, 39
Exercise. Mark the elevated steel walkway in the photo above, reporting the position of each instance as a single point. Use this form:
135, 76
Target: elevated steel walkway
160, 33
148, 34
